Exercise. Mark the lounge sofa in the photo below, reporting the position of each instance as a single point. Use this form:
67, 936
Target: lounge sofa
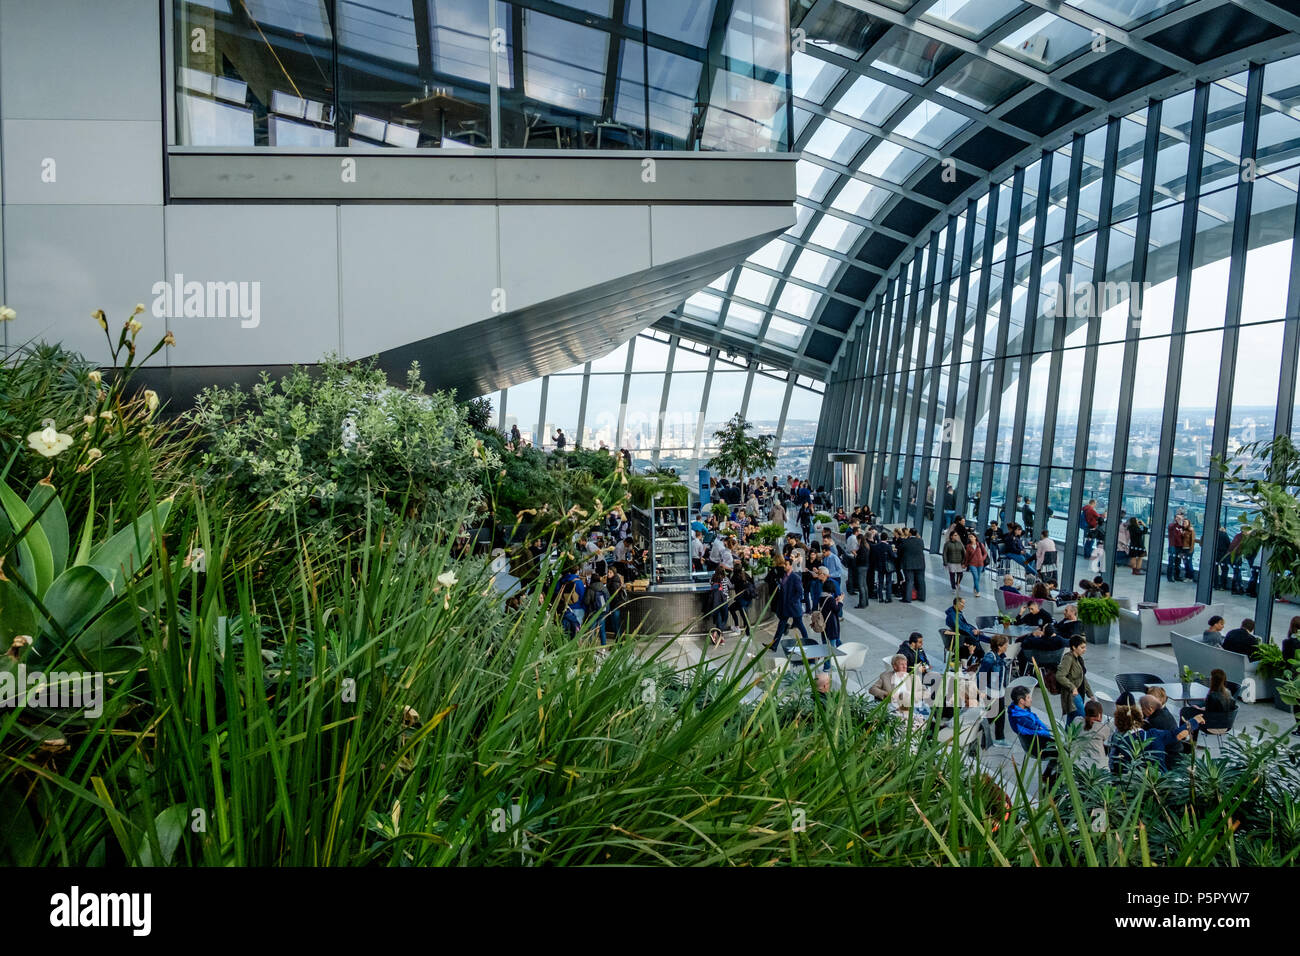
1191, 651
1141, 629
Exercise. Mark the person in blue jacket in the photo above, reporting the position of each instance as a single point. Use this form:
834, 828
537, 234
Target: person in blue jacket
957, 623
789, 606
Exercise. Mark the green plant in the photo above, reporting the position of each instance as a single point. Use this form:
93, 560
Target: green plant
1189, 676
822, 517
720, 509
1006, 620
1098, 612
768, 533
323, 449
64, 595
478, 414
1289, 690
1271, 663
739, 453
668, 489
1267, 475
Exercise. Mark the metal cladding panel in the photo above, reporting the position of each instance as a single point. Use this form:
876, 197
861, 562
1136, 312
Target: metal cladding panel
74, 60
63, 262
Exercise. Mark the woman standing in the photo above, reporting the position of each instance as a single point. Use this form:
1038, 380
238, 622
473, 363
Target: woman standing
977, 556
743, 594
1137, 543
806, 520
719, 598
954, 559
777, 514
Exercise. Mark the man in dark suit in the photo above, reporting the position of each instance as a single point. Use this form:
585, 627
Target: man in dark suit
789, 607
911, 558
1241, 640
882, 568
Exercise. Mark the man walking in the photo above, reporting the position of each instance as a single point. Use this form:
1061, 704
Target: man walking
789, 605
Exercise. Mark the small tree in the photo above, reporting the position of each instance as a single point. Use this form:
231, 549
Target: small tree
1276, 524
739, 453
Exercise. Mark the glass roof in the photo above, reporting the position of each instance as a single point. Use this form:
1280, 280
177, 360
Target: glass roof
904, 107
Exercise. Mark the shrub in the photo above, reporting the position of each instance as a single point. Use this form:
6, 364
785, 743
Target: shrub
326, 449
478, 414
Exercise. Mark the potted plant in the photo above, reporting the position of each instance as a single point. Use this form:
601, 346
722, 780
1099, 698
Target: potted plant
1097, 615
1006, 621
821, 518
1273, 670
1187, 678
721, 510
1288, 692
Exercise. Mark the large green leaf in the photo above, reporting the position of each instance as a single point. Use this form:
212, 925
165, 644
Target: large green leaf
17, 615
170, 826
129, 550
36, 544
53, 521
77, 596
119, 619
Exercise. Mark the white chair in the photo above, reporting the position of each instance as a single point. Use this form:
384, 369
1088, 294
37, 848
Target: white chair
853, 658
972, 730
1107, 703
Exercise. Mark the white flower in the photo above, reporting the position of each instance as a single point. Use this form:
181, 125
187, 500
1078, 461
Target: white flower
95, 377
197, 561
151, 400
7, 314
447, 578
49, 442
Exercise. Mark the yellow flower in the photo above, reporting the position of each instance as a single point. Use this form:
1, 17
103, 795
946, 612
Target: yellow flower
49, 441
98, 316
7, 314
106, 415
169, 339
151, 400
88, 419
95, 377
134, 325
139, 307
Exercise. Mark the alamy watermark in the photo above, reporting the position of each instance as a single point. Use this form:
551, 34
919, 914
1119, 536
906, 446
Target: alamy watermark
179, 299
73, 690
1082, 300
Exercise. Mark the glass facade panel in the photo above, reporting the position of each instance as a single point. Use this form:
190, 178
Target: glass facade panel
581, 75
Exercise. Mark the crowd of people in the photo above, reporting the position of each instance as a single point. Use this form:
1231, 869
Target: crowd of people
811, 573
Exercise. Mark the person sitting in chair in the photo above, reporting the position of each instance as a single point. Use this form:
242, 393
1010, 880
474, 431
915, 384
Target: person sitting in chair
1028, 726
1213, 633
913, 651
1032, 615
